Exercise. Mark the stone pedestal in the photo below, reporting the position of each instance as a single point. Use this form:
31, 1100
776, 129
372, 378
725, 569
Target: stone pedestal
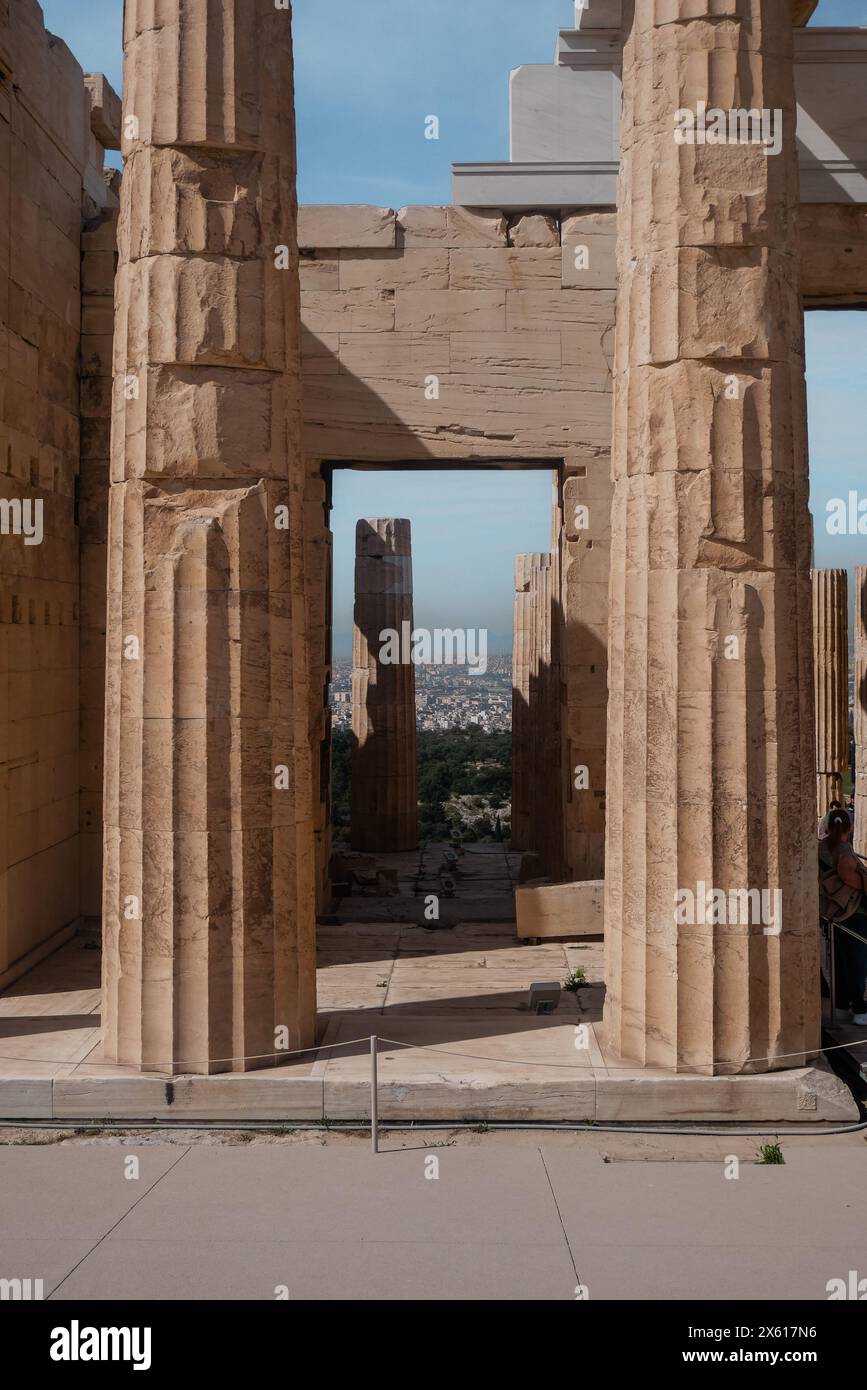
208, 894
831, 665
711, 752
384, 770
861, 710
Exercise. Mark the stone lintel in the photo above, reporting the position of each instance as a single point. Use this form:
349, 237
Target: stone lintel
105, 110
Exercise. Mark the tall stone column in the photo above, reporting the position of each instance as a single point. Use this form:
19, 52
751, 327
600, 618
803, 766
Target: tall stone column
522, 735
208, 893
384, 763
537, 779
711, 752
831, 664
861, 710
5, 952
546, 780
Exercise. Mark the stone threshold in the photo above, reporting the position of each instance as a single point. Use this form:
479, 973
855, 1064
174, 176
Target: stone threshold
811, 1095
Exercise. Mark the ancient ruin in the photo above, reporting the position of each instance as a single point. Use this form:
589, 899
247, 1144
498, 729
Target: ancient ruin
861, 709
186, 360
710, 627
208, 931
831, 665
537, 798
384, 771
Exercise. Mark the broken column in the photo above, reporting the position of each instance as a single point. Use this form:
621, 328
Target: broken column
384, 771
537, 782
208, 894
522, 752
546, 781
711, 755
831, 664
861, 710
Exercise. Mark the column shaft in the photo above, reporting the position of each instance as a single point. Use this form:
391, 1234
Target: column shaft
831, 663
522, 750
384, 759
208, 897
711, 723
861, 710
537, 778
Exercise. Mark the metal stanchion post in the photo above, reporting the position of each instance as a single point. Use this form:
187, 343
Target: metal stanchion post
374, 1103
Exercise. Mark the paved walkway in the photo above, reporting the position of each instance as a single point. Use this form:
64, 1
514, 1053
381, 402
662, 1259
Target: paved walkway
453, 985
507, 1217
458, 1043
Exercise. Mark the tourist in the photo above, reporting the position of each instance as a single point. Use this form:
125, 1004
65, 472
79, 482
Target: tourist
842, 901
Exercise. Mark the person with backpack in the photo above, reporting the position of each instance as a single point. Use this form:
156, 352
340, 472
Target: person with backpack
843, 900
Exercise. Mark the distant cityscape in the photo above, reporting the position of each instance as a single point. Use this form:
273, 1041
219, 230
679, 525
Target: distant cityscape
446, 697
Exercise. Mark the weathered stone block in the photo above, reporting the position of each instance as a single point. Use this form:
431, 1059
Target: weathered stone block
320, 272
589, 257
447, 311
344, 227
505, 352
833, 254
350, 311
539, 310
706, 303
476, 227
214, 422
186, 310
560, 910
180, 97
534, 229
422, 226
388, 270
510, 268
394, 355
105, 110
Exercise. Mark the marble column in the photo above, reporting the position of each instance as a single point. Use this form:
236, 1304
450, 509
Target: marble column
711, 752
861, 710
522, 749
209, 959
5, 952
831, 663
537, 776
384, 761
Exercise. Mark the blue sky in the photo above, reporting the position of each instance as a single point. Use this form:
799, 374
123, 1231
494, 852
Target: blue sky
467, 528
367, 75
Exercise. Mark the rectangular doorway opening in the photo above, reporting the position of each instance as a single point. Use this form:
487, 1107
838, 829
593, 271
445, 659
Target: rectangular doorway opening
421, 707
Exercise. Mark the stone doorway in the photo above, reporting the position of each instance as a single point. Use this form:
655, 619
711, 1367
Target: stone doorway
423, 832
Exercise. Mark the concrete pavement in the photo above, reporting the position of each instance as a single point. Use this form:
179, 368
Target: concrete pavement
440, 1216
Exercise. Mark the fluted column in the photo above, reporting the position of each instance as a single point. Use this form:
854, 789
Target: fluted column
208, 893
537, 779
711, 752
831, 664
384, 770
522, 737
861, 710
546, 783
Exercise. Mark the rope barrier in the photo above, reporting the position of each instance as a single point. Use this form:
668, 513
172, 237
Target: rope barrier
412, 1047
213, 1062
180, 1067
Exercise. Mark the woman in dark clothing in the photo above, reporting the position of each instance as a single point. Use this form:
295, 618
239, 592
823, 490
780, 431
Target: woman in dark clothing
842, 900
